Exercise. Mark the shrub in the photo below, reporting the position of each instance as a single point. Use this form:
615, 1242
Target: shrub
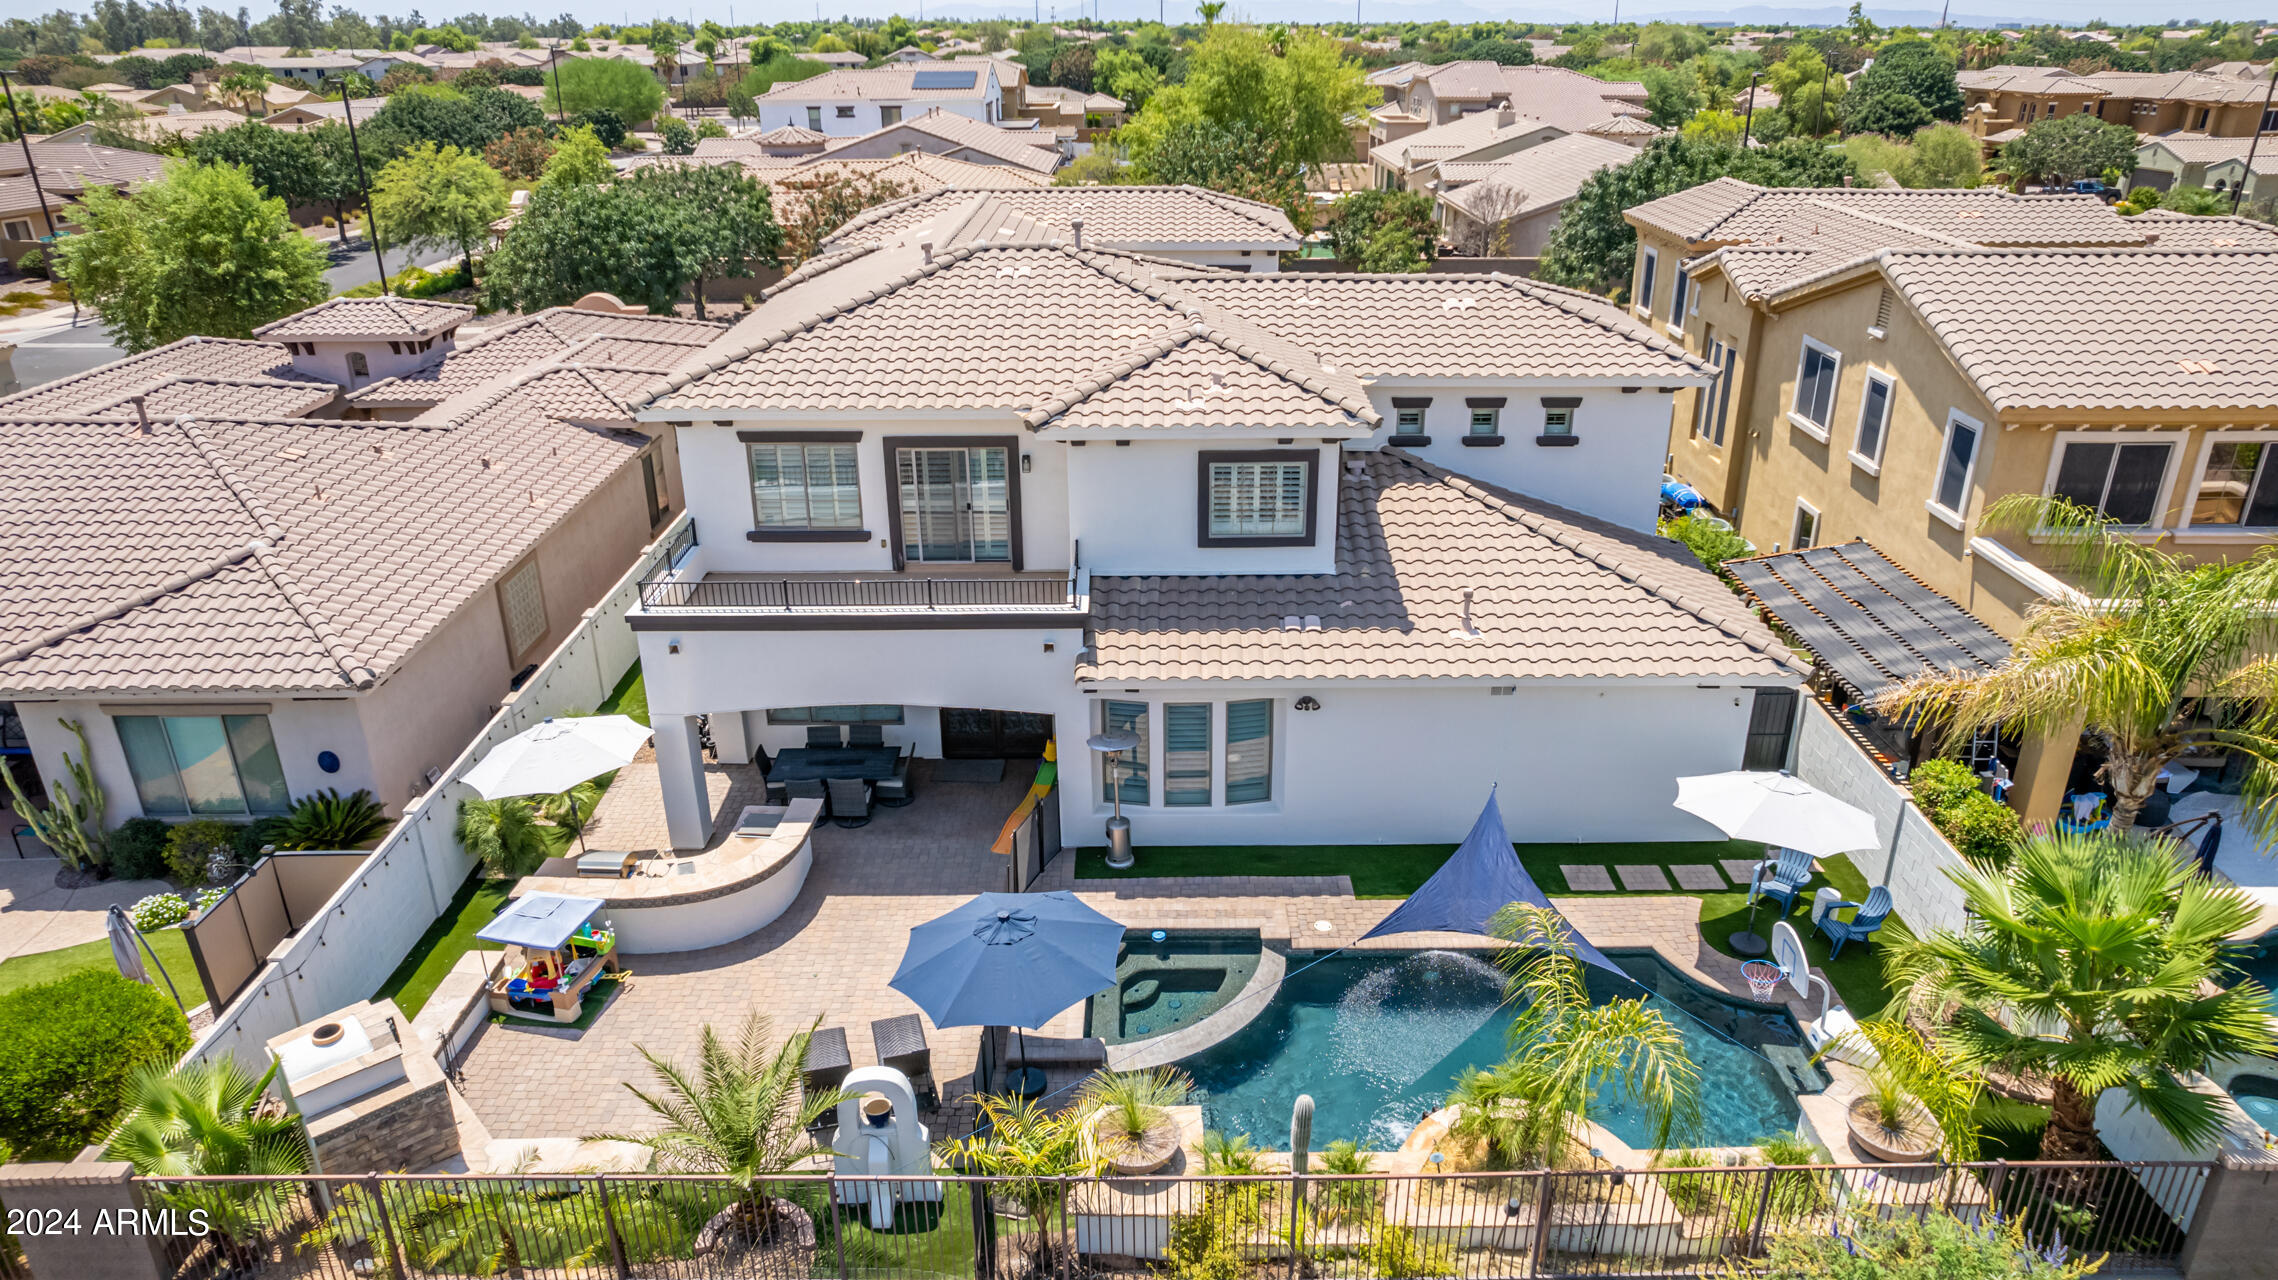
1979, 826
159, 911
67, 1051
138, 849
711, 129
208, 897
1395, 1253
1709, 544
329, 820
607, 125
202, 851
255, 834
1933, 1246
1940, 784
33, 264
678, 138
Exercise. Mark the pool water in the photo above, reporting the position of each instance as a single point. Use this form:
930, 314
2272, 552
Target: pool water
1164, 986
2257, 1096
1378, 1039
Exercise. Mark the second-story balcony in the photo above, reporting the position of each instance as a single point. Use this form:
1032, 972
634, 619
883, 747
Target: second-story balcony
688, 586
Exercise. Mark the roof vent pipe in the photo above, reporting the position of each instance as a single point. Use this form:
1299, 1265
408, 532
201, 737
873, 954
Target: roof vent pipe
1077, 223
142, 413
926, 247
1467, 627
1506, 115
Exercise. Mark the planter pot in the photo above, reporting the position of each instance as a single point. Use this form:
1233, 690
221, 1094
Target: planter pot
1128, 1159
784, 1244
1915, 1141
2155, 810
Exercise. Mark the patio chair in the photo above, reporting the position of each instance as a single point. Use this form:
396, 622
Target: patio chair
807, 789
850, 801
1781, 879
765, 763
825, 1069
825, 735
865, 735
1866, 917
900, 1042
896, 791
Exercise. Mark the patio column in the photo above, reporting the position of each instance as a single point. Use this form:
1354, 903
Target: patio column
680, 771
728, 740
2044, 765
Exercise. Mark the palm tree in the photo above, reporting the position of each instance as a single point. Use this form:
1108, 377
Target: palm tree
2089, 960
741, 1112
504, 834
1032, 1149
1210, 9
1569, 1053
2155, 657
211, 1118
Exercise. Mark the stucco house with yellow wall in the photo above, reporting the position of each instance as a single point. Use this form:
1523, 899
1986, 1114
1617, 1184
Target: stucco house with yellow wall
1896, 361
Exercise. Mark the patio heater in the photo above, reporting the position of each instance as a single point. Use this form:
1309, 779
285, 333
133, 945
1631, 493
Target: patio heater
1112, 743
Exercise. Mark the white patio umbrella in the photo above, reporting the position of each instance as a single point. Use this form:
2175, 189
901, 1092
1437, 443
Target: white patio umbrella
1777, 808
549, 758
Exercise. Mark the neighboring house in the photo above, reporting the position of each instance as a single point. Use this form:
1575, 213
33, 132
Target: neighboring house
1089, 114
1007, 494
244, 598
1507, 207
1410, 162
181, 125
941, 132
2180, 161
2000, 99
310, 69
1437, 94
910, 53
847, 104
1181, 224
784, 140
308, 115
1896, 361
841, 59
66, 171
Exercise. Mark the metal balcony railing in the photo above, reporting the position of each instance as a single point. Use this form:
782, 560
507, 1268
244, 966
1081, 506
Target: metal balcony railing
888, 594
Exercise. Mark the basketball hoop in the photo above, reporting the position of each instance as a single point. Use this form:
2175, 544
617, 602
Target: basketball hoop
1764, 978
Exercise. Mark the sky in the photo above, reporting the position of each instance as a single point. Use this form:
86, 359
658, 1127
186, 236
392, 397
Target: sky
1964, 13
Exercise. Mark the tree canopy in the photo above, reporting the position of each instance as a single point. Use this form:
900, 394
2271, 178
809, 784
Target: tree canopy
1916, 71
200, 251
611, 84
1300, 94
645, 237
2068, 148
446, 117
438, 196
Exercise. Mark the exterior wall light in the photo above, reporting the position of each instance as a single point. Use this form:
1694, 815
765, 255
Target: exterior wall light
1308, 703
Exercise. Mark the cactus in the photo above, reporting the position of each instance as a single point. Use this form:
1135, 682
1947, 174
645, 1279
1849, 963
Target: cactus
71, 827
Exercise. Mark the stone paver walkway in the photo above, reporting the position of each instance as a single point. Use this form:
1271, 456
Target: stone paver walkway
1738, 870
830, 956
1587, 878
1642, 877
1700, 877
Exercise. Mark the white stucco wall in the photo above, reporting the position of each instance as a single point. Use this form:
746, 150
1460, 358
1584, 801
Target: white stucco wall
1614, 473
775, 112
1913, 857
718, 672
303, 727
1132, 509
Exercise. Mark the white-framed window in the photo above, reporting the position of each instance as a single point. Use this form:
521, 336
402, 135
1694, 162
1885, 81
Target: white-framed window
815, 119
1264, 500
1125, 772
1648, 263
2237, 486
804, 486
1486, 421
1186, 754
1874, 422
1558, 422
2123, 477
1817, 368
1957, 461
16, 230
1249, 751
1680, 292
522, 603
889, 116
846, 113
1805, 531
1407, 422
203, 765
1713, 406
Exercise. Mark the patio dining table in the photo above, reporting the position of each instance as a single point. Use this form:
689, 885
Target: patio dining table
794, 764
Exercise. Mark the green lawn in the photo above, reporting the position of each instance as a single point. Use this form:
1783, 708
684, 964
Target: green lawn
629, 698
451, 936
46, 966
1397, 870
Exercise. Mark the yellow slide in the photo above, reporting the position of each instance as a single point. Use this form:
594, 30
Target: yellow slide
1047, 776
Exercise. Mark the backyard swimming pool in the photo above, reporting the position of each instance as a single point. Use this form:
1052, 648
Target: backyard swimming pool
1378, 1038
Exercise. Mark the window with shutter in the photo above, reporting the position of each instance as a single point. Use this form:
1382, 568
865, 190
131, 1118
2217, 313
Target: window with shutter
1126, 771
1186, 753
805, 486
1257, 499
1249, 751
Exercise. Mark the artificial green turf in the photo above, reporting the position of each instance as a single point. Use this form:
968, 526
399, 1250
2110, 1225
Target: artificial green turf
1398, 870
629, 698
46, 966
451, 936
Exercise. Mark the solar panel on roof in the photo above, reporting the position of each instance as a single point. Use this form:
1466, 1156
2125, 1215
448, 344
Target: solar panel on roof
944, 79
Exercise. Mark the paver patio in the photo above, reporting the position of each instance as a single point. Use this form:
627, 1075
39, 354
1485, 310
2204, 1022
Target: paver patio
832, 954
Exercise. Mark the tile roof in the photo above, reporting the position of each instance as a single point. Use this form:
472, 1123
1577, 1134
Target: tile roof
789, 135
2182, 86
86, 161
542, 337
2198, 148
2041, 80
2169, 230
1736, 211
1554, 594
1124, 217
1459, 138
291, 555
106, 384
367, 318
967, 134
893, 83
210, 397
1217, 375
2066, 329
1538, 177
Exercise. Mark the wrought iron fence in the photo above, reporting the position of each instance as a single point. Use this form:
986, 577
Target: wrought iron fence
830, 594
1602, 1222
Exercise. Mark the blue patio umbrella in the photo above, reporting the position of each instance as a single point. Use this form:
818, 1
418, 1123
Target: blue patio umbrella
1008, 960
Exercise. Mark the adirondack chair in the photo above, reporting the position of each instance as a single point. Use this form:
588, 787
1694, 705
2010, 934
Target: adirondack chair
1782, 880
1866, 917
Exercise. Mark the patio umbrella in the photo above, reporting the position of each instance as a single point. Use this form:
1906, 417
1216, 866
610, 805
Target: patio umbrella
1008, 960
1779, 809
549, 758
127, 947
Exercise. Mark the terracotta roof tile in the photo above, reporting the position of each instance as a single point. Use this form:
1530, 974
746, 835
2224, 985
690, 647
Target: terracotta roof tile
968, 134
1121, 217
367, 318
541, 337
1553, 594
109, 383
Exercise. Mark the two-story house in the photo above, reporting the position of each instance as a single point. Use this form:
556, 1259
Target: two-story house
1895, 362
1342, 551
251, 570
1179, 224
2001, 102
849, 103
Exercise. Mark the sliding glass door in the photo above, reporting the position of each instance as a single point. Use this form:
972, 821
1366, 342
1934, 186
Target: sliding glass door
956, 504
